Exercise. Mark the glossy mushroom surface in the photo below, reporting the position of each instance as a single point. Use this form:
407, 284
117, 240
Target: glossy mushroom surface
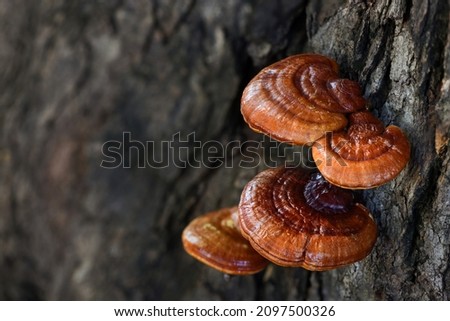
298, 99
214, 240
295, 218
366, 155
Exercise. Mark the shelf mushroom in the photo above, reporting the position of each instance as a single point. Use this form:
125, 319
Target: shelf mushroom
366, 155
299, 99
295, 218
214, 240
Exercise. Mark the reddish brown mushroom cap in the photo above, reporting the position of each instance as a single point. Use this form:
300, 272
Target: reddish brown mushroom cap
298, 99
295, 218
214, 240
366, 155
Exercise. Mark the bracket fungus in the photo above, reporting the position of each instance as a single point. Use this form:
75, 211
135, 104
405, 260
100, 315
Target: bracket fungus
365, 155
300, 98
291, 216
295, 218
214, 240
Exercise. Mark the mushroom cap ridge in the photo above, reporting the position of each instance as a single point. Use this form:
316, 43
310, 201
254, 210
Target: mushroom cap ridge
214, 240
282, 226
298, 99
366, 155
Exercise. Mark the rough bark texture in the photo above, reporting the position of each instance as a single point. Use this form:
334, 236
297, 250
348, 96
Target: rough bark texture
75, 74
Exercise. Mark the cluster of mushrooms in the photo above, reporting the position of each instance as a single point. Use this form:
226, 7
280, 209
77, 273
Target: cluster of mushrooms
296, 217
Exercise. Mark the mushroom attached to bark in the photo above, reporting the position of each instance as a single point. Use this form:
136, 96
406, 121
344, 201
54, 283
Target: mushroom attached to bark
215, 240
300, 98
366, 155
295, 218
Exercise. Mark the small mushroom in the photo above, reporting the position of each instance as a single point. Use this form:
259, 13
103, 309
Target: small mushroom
298, 99
214, 240
366, 155
295, 218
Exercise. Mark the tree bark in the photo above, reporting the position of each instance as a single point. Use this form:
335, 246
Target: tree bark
77, 74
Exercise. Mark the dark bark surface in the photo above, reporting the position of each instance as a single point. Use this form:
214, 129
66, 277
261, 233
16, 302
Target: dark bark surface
76, 74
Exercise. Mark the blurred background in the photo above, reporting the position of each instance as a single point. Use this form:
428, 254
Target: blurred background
75, 75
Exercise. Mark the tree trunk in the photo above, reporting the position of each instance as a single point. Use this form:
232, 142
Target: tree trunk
77, 74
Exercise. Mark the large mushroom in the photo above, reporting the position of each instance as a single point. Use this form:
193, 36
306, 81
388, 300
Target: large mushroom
299, 99
295, 218
215, 240
366, 155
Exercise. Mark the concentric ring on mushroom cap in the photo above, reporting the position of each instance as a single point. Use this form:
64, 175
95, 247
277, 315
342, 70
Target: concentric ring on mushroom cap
214, 240
284, 227
298, 99
366, 155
